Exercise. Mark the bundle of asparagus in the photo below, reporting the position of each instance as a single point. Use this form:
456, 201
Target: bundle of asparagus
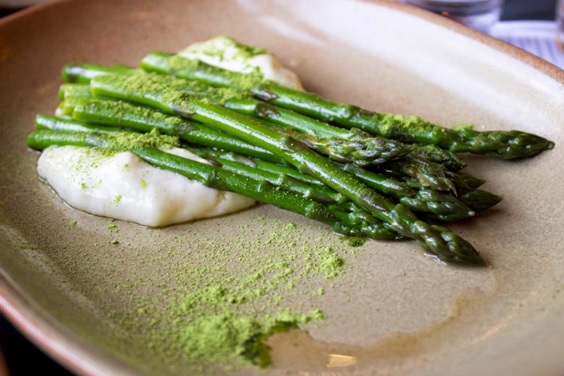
365, 174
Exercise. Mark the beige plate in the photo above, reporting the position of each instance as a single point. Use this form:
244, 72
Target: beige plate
393, 311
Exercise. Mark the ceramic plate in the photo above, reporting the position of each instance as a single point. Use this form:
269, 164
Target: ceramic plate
91, 291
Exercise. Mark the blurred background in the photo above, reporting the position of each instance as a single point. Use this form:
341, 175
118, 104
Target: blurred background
21, 357
529, 10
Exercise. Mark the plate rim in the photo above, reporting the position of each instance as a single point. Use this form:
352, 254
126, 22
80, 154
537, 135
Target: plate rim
79, 355
52, 337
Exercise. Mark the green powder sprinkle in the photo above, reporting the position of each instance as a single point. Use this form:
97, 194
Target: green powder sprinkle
143, 183
119, 141
72, 223
113, 227
230, 293
240, 81
356, 242
117, 199
214, 332
330, 262
217, 46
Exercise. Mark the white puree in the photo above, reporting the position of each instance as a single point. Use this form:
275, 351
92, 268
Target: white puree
226, 53
123, 186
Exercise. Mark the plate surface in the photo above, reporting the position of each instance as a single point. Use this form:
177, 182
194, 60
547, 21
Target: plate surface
93, 303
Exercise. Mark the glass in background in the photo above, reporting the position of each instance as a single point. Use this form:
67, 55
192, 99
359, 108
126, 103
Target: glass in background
481, 15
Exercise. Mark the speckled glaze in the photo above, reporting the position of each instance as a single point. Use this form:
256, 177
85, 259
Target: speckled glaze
393, 312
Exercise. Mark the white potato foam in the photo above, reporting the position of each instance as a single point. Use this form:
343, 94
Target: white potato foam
122, 186
226, 53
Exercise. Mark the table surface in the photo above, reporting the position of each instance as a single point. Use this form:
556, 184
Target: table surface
23, 358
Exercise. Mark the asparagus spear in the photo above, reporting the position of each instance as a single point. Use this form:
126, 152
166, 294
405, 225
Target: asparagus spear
432, 204
228, 161
212, 176
56, 123
427, 173
478, 200
319, 193
344, 145
437, 241
475, 200
312, 127
340, 144
83, 73
379, 182
359, 149
377, 151
443, 206
119, 113
122, 114
144, 119
499, 144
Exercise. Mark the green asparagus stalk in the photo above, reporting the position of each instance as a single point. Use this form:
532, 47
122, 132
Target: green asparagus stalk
440, 206
343, 145
319, 193
228, 161
126, 115
479, 200
78, 90
437, 241
324, 131
431, 204
55, 123
428, 174
85, 107
359, 150
464, 182
508, 145
437, 205
119, 113
144, 119
378, 151
499, 144
395, 188
381, 183
212, 176
283, 169
83, 73
365, 152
